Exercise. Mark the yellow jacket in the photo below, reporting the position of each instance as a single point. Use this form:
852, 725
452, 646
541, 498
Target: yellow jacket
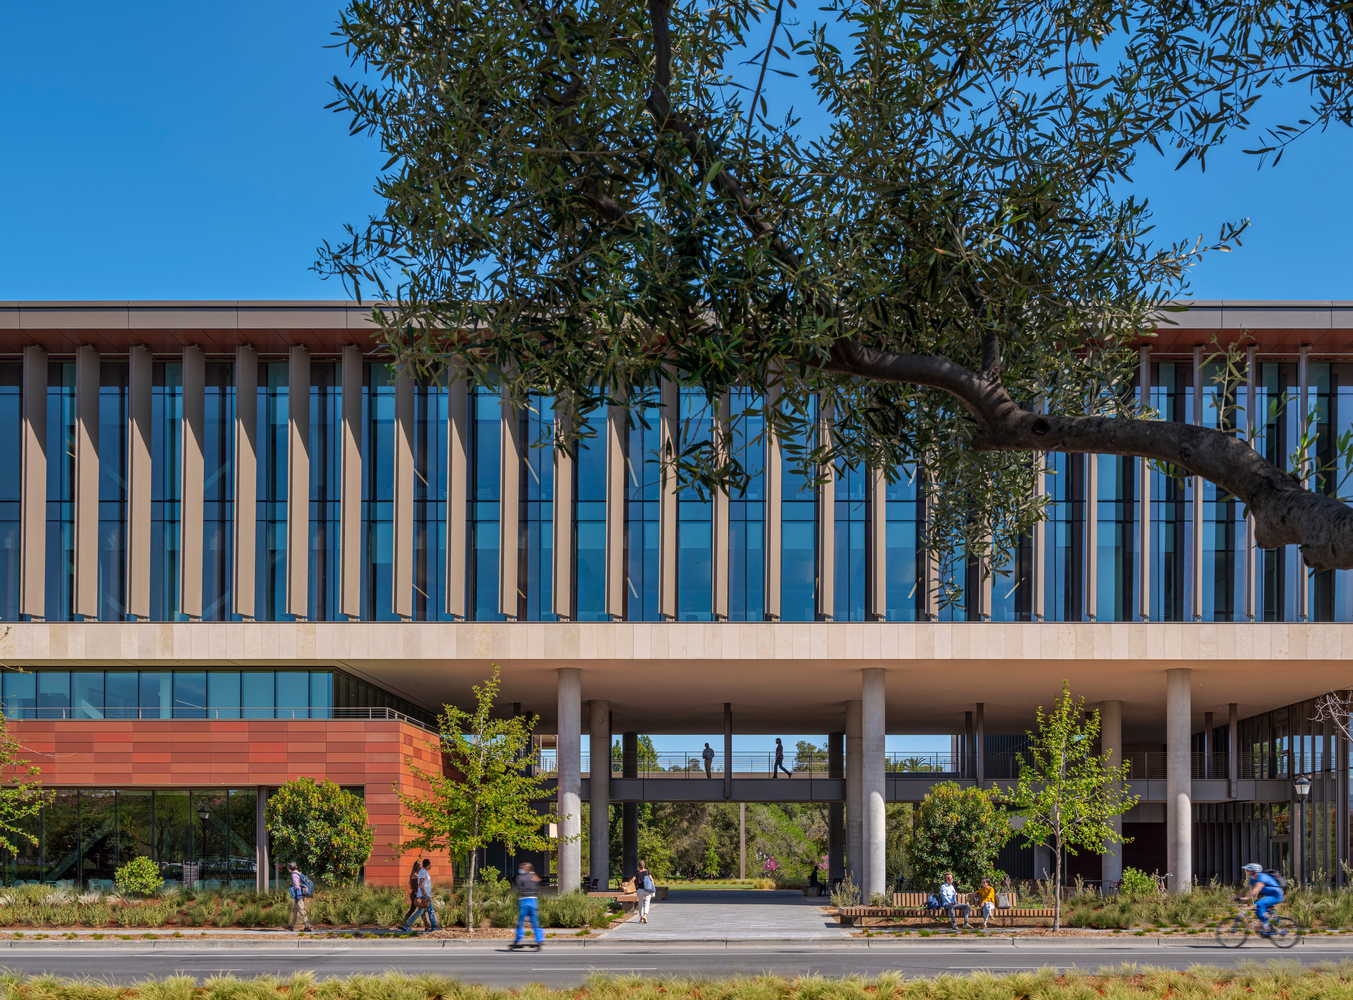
986, 894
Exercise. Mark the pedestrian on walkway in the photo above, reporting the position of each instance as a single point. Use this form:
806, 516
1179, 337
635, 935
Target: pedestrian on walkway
528, 903
644, 889
780, 760
423, 899
300, 888
413, 897
708, 755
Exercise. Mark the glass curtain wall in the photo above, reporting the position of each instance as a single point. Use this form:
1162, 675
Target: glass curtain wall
747, 511
429, 503
271, 499
589, 520
695, 521
535, 567
11, 435
798, 513
326, 470
905, 594
1171, 503
1277, 569
218, 495
60, 570
378, 491
1063, 538
1223, 569
643, 483
484, 486
166, 444
850, 559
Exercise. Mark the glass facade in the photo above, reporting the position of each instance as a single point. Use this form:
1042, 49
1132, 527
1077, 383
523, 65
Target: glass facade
1283, 590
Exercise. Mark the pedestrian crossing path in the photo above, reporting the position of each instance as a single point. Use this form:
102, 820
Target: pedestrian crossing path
731, 914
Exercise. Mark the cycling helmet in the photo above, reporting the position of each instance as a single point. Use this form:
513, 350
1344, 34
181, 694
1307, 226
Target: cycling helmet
1252, 867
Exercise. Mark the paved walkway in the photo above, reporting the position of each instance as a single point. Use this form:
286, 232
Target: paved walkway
729, 914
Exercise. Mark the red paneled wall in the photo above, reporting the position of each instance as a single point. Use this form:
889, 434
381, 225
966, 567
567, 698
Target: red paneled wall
240, 753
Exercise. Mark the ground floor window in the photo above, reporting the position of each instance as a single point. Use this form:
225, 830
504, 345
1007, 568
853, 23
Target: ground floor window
206, 837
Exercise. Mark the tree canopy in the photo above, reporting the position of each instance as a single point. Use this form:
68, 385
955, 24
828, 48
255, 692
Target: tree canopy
893, 234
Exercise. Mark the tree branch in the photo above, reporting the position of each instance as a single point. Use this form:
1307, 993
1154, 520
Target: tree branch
1284, 512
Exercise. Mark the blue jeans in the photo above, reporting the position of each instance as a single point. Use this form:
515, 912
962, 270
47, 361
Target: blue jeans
529, 906
421, 911
1262, 905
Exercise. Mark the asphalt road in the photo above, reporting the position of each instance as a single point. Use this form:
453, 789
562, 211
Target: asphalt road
567, 965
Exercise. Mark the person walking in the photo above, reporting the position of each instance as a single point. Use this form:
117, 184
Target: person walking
299, 885
423, 899
528, 904
780, 760
644, 890
413, 897
708, 755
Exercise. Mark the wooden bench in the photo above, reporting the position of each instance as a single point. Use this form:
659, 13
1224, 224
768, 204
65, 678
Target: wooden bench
912, 904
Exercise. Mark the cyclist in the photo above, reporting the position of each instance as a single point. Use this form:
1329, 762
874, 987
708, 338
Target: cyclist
1265, 892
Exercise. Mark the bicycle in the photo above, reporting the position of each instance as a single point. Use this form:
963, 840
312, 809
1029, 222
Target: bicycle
1232, 932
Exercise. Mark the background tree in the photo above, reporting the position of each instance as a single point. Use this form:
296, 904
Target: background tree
646, 755
488, 796
957, 830
1068, 792
21, 794
322, 827
593, 200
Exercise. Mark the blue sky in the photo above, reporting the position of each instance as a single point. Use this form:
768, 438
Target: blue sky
181, 151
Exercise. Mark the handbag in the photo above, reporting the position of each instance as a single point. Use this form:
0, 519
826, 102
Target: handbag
1003, 901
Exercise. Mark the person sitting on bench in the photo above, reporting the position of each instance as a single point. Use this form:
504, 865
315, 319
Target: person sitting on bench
949, 901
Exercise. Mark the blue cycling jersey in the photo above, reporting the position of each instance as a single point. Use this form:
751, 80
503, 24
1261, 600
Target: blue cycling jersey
1268, 886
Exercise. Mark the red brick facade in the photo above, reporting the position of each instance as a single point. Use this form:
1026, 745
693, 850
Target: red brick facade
241, 753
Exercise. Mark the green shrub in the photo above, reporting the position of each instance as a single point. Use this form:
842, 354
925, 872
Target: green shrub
322, 827
251, 915
138, 877
572, 909
1136, 884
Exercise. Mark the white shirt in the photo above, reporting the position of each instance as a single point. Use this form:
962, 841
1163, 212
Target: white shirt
947, 894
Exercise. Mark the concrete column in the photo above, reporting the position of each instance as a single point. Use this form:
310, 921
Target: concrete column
192, 470
727, 750
1111, 740
1179, 777
33, 479
86, 588
261, 841
298, 483
246, 480
836, 834
570, 778
140, 375
854, 797
875, 835
599, 775
629, 821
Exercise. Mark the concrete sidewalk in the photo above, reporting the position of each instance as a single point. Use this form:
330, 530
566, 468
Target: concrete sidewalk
706, 914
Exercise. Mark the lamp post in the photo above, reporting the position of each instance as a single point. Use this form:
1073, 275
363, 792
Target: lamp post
1302, 786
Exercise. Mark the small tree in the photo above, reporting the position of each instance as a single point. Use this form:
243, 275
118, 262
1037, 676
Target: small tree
1068, 793
21, 794
489, 794
139, 876
322, 827
959, 830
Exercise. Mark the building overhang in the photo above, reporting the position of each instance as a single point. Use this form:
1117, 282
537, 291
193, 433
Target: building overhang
779, 677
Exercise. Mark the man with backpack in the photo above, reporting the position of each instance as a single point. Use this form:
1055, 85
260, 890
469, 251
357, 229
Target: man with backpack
301, 887
1266, 889
528, 905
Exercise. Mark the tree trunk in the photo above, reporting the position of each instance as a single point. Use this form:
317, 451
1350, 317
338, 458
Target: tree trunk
1057, 889
469, 893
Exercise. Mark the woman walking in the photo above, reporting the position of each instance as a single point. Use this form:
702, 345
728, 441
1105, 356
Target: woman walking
413, 897
644, 889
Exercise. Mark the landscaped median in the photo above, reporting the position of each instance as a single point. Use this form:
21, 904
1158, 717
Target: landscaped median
1282, 982
355, 908
1314, 910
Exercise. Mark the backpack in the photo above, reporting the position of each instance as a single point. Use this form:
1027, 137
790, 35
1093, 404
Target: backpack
1283, 882
307, 887
932, 902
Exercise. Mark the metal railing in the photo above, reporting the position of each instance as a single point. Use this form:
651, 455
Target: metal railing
689, 764
118, 712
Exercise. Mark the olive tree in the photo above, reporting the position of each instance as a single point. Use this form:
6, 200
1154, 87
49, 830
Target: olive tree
929, 267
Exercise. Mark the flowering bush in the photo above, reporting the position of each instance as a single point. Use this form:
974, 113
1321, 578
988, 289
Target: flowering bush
822, 864
770, 866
